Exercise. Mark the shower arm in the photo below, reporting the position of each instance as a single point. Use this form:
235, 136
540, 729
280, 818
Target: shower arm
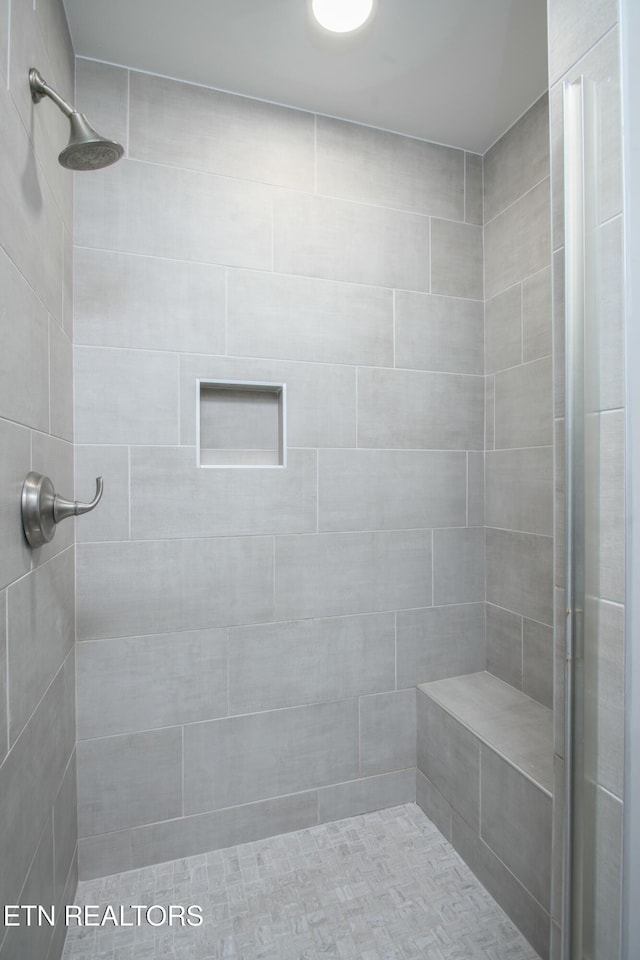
40, 88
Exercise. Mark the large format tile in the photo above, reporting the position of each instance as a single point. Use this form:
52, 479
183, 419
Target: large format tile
202, 217
111, 520
536, 316
30, 941
4, 726
518, 161
140, 683
128, 780
138, 588
40, 633
30, 778
438, 333
24, 350
523, 405
517, 242
304, 661
341, 573
537, 661
504, 645
604, 665
520, 573
458, 565
519, 489
321, 398
428, 489
517, 902
611, 506
122, 300
15, 463
65, 828
252, 757
503, 329
341, 240
174, 839
60, 382
105, 854
361, 163
236, 136
609, 854
449, 756
473, 189
456, 259
433, 804
387, 732
368, 793
125, 396
516, 823
574, 27
440, 642
305, 318
392, 405
102, 93
222, 502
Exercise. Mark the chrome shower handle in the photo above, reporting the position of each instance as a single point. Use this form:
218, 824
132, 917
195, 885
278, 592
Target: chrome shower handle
43, 508
63, 508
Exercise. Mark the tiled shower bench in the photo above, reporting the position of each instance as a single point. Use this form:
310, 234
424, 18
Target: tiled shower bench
485, 774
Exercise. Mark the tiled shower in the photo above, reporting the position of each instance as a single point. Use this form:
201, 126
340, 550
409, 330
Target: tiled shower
237, 654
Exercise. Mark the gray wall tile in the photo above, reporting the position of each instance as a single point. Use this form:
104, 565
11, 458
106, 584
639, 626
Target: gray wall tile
263, 755
4, 719
526, 913
222, 502
537, 661
456, 259
504, 645
237, 137
128, 780
536, 316
202, 217
429, 489
518, 161
524, 405
304, 318
573, 28
24, 349
105, 854
220, 828
321, 399
111, 520
449, 756
137, 588
122, 300
361, 163
113, 384
475, 488
39, 634
520, 573
341, 573
458, 565
503, 329
139, 683
387, 732
509, 801
520, 489
489, 412
15, 463
604, 656
340, 240
611, 497
30, 778
65, 828
102, 93
431, 801
60, 380
438, 333
473, 189
367, 794
440, 642
31, 941
517, 242
392, 403
303, 661
608, 872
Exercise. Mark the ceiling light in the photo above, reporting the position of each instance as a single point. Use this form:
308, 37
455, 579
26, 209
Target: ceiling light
341, 16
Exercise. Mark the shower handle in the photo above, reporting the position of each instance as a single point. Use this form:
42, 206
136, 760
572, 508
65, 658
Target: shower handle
43, 508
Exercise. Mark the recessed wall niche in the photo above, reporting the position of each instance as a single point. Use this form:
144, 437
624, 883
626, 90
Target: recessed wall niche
241, 423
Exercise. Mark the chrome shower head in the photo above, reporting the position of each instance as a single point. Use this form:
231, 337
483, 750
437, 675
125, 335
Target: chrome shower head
86, 149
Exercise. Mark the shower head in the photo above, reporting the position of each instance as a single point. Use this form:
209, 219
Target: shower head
86, 149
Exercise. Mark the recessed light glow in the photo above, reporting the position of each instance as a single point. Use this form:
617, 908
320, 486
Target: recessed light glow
341, 16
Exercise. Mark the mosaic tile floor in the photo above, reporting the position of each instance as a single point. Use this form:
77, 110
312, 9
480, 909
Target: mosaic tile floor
383, 886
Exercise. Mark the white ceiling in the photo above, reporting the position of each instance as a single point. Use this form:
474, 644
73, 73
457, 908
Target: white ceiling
458, 72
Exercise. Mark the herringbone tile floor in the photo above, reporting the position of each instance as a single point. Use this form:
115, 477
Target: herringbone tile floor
382, 886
